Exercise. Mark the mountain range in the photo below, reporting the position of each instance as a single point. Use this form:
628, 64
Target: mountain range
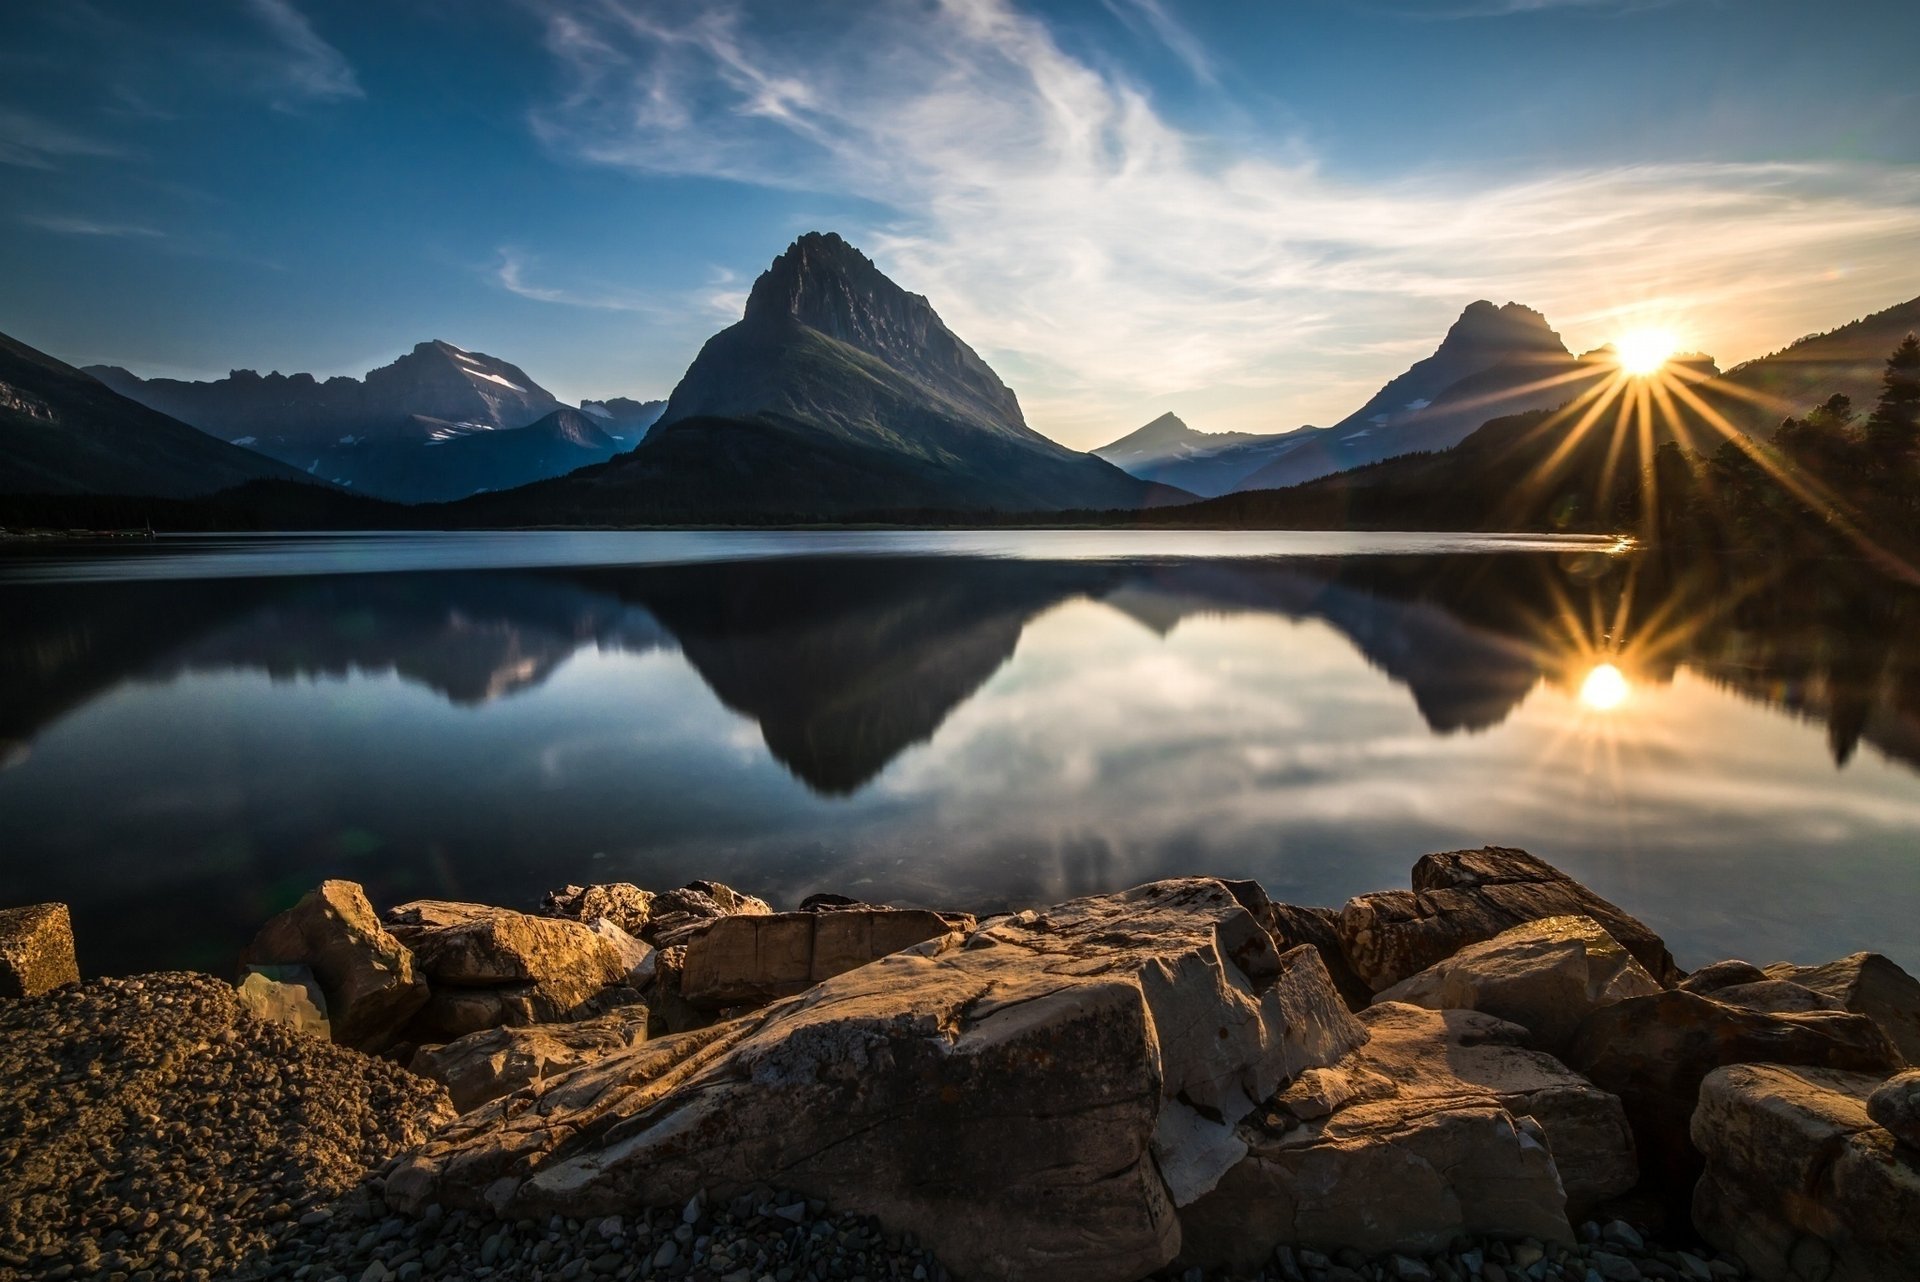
836, 393
1493, 362
437, 424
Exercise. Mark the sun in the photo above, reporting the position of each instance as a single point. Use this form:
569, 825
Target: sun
1605, 688
1645, 351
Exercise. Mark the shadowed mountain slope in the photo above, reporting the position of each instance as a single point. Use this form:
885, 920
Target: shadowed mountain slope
63, 432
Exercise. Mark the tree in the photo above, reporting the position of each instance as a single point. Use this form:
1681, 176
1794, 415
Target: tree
1824, 442
1893, 429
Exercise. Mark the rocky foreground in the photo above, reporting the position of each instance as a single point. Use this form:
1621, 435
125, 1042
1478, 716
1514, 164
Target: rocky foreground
1494, 1075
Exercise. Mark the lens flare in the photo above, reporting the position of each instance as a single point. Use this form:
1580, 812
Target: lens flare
1645, 351
1605, 688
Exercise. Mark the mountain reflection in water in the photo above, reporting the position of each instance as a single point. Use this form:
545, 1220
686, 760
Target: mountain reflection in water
843, 664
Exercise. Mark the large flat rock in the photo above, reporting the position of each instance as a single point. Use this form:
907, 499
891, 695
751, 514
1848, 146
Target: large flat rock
1800, 1183
1465, 897
1037, 1101
1867, 984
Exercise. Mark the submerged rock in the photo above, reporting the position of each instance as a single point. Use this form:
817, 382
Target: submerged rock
36, 950
1468, 896
367, 975
1799, 1181
1545, 976
748, 960
1867, 984
1040, 1099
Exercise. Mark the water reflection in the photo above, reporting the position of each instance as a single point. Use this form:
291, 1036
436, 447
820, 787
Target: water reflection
199, 750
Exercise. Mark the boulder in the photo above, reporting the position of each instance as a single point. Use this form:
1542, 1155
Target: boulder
1895, 1105
1441, 1124
1799, 1182
490, 967
1036, 1101
679, 915
367, 975
1867, 984
498, 1062
289, 995
628, 907
1291, 926
1468, 896
36, 950
1721, 974
1776, 995
668, 1012
1545, 976
1653, 1052
750, 960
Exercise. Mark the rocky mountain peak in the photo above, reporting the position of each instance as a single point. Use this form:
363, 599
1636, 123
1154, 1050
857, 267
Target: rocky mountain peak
825, 284
1513, 327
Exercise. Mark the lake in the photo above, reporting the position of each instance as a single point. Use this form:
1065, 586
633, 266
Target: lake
194, 731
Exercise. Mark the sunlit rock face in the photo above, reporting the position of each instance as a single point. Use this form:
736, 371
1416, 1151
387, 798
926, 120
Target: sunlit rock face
1042, 1098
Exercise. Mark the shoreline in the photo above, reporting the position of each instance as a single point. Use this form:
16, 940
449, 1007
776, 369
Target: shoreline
394, 1083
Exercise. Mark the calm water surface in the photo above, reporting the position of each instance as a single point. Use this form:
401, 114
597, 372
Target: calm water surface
194, 731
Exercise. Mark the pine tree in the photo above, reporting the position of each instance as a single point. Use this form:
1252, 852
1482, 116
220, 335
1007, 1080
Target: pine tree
1893, 428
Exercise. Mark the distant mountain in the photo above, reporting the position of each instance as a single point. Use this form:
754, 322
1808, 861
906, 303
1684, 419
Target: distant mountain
1204, 463
62, 432
625, 420
838, 392
1493, 362
1757, 395
387, 435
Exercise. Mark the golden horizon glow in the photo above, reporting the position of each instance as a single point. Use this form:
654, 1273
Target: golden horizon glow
1642, 352
1605, 688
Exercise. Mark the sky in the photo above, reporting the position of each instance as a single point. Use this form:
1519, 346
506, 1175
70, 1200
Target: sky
1251, 215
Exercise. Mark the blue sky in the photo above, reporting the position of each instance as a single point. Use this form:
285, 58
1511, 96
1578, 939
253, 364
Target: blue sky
1252, 215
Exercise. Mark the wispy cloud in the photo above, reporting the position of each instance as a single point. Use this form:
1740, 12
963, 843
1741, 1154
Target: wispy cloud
71, 225
510, 272
1151, 18
311, 70
29, 142
1109, 262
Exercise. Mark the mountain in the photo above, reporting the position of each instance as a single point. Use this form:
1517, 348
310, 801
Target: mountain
836, 393
1493, 362
1205, 463
1757, 395
62, 432
624, 419
384, 435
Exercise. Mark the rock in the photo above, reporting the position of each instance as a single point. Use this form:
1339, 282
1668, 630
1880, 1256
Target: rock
36, 950
366, 974
1799, 1182
498, 1062
749, 960
628, 907
1775, 995
1653, 1052
1895, 1105
1871, 985
288, 994
1291, 926
490, 967
679, 915
668, 1012
1721, 974
636, 956
1099, 1044
1413, 1139
1545, 976
1468, 896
